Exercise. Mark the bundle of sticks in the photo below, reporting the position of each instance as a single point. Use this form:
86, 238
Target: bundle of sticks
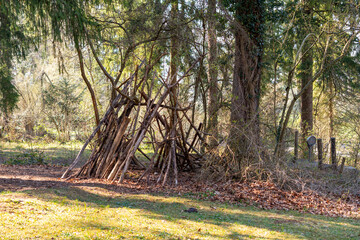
135, 115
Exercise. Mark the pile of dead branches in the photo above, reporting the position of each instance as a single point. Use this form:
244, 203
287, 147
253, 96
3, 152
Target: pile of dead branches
136, 114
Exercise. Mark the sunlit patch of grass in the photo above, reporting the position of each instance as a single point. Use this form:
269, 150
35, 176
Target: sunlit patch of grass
95, 213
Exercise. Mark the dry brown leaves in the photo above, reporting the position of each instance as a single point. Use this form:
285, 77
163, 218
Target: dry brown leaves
268, 196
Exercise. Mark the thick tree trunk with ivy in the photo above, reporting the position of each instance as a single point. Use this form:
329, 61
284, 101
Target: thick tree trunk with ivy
213, 86
245, 132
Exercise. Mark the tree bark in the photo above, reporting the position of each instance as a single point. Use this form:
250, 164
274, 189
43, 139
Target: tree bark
174, 59
331, 109
245, 132
213, 74
174, 45
305, 75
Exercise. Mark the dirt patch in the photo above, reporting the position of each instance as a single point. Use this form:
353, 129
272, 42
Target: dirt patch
14, 178
18, 178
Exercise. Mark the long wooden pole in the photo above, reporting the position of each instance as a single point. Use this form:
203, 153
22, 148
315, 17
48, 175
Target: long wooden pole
320, 152
333, 153
296, 147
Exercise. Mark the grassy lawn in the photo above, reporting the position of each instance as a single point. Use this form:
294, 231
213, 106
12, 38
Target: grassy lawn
52, 153
96, 213
55, 153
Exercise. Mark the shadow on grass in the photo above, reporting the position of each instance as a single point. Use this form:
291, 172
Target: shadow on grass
167, 208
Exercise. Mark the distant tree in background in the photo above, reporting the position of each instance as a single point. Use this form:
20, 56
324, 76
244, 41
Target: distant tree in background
61, 103
24, 25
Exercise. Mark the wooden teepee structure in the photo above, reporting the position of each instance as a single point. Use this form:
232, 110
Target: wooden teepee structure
136, 114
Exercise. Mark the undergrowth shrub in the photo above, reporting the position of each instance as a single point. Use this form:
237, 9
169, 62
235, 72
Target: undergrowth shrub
28, 157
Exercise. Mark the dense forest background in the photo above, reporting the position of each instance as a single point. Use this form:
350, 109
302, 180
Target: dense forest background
244, 76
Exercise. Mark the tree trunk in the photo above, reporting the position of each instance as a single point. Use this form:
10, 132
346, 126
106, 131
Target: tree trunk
306, 98
245, 132
8, 93
213, 73
174, 61
305, 75
356, 155
88, 84
331, 109
174, 45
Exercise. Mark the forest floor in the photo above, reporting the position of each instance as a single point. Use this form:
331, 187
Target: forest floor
36, 203
232, 210
261, 194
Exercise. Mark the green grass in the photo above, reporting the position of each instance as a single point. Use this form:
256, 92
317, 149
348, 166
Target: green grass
53, 153
96, 213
